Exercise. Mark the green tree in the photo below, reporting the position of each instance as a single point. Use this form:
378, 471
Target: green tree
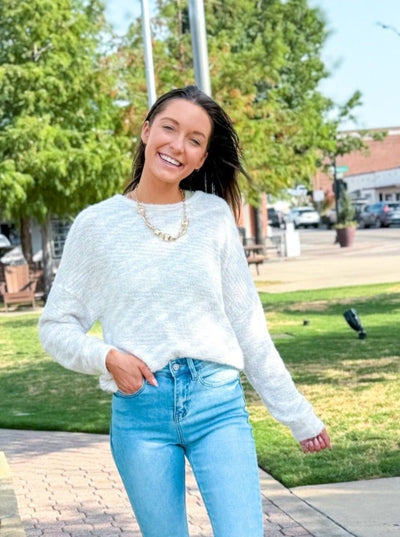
337, 143
61, 146
347, 211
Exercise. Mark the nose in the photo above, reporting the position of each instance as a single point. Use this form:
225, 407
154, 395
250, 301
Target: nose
177, 143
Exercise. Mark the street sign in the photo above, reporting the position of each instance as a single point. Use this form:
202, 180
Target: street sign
342, 169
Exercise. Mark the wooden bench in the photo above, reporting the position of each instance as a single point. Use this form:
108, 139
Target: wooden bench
255, 255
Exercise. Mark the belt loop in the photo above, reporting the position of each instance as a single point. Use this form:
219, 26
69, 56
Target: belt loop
192, 368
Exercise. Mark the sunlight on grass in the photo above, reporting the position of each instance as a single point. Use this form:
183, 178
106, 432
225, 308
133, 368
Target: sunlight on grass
353, 384
265, 283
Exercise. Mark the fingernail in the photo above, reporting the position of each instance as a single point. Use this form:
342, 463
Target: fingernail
154, 383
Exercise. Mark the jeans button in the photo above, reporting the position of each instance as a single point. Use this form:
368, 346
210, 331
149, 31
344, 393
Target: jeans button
175, 367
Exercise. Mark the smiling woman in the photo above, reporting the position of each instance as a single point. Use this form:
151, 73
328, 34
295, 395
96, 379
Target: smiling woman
164, 271
176, 142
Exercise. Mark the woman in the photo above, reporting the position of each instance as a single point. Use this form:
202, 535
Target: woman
163, 270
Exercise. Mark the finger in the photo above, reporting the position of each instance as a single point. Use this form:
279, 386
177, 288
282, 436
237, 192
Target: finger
317, 443
129, 387
310, 445
148, 375
322, 442
324, 434
313, 445
306, 445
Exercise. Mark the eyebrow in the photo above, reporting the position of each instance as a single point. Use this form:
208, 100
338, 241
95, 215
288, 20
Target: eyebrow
198, 133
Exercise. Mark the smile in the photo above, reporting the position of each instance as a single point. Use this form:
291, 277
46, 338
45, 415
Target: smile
170, 160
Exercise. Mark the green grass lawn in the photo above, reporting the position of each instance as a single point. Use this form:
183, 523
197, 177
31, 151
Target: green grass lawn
353, 384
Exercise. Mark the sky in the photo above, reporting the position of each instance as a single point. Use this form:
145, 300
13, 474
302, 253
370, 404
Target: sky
359, 53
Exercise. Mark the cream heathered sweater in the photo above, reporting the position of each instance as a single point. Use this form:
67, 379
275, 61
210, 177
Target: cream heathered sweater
163, 300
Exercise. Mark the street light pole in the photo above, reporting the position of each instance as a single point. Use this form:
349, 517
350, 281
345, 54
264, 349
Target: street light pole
199, 45
336, 188
148, 54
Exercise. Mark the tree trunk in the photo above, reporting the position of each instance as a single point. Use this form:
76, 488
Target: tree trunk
26, 239
47, 258
258, 223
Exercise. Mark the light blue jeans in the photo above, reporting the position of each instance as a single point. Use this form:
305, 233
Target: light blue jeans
197, 411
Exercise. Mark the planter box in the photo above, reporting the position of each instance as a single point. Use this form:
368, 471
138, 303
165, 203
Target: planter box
345, 236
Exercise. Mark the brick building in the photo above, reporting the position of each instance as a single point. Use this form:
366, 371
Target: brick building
374, 176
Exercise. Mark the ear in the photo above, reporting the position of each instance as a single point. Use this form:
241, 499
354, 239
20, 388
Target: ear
145, 132
202, 161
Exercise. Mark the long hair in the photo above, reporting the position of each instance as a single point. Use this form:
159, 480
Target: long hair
219, 173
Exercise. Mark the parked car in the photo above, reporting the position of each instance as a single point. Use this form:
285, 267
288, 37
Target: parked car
331, 217
393, 216
304, 217
275, 218
378, 214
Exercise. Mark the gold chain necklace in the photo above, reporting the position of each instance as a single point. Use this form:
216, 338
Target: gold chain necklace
157, 232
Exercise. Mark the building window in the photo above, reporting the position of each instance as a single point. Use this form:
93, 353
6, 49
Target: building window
59, 231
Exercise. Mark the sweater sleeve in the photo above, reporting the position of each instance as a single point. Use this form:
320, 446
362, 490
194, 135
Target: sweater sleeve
68, 316
263, 365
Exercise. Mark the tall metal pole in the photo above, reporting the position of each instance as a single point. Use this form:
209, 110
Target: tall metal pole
148, 54
199, 45
336, 187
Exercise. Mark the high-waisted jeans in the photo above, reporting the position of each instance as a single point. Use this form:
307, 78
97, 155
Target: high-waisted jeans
197, 411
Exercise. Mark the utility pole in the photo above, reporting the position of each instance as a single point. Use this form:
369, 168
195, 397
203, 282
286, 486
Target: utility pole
199, 45
336, 187
148, 54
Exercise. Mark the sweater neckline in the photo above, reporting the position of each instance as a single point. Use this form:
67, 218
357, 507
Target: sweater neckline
161, 206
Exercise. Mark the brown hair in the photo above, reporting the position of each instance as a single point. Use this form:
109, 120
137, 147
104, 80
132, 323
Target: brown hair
219, 173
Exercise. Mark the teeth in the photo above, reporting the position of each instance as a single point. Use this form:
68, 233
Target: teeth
170, 160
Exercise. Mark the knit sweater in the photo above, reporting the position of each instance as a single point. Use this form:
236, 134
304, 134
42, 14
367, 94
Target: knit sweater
159, 300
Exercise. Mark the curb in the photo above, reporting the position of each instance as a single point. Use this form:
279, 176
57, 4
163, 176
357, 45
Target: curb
301, 512
10, 522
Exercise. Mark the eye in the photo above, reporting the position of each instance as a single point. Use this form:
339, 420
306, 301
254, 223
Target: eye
195, 141
168, 127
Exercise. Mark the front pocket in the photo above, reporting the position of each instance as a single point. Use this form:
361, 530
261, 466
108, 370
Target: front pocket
213, 375
118, 393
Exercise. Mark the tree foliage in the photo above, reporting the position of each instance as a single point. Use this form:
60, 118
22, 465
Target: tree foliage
59, 146
69, 105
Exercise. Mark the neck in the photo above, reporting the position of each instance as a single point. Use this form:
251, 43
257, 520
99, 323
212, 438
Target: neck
162, 195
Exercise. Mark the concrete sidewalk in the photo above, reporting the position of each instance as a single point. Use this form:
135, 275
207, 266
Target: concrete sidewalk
66, 485
374, 258
365, 508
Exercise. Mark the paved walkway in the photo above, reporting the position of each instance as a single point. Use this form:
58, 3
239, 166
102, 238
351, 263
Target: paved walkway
66, 485
374, 258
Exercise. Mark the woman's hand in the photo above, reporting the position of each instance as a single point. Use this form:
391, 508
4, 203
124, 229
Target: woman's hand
128, 371
317, 443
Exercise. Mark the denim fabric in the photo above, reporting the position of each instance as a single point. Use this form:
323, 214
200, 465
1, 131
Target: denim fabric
198, 412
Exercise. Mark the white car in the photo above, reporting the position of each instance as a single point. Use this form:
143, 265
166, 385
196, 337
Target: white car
304, 217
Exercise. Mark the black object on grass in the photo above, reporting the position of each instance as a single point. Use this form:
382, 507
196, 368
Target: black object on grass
354, 322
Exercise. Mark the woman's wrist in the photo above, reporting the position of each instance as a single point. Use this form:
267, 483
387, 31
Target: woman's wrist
110, 359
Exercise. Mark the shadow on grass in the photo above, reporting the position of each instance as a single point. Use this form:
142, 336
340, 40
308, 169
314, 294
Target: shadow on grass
342, 296
44, 396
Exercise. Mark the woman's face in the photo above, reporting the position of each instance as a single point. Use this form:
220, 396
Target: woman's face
176, 142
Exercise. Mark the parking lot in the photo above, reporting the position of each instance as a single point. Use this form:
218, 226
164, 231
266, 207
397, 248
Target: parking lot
374, 258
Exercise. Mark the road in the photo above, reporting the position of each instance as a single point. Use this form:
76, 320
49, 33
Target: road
382, 238
374, 258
